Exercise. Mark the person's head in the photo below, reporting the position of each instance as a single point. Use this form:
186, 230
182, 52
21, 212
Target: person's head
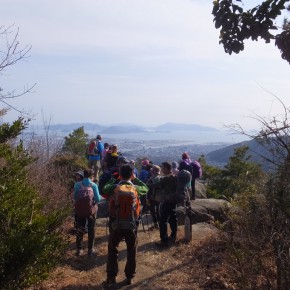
132, 162
166, 167
106, 145
88, 173
174, 165
126, 171
122, 160
145, 162
114, 148
79, 175
185, 156
99, 137
148, 167
155, 170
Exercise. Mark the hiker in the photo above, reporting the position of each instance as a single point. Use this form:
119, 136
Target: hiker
109, 187
167, 205
135, 170
111, 157
124, 213
104, 153
86, 195
110, 176
79, 176
95, 156
175, 170
145, 170
151, 201
194, 168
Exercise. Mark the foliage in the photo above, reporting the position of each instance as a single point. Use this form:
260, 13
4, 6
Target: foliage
238, 176
248, 239
65, 166
237, 25
76, 142
31, 242
259, 230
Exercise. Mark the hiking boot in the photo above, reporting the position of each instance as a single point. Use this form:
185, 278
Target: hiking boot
91, 252
111, 280
156, 226
161, 244
172, 240
128, 281
79, 252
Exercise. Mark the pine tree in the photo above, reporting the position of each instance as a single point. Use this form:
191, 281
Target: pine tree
31, 242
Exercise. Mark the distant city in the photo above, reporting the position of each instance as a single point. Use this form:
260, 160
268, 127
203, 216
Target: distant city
162, 143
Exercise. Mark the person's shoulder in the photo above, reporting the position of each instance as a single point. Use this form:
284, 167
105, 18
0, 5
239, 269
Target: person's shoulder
77, 184
93, 184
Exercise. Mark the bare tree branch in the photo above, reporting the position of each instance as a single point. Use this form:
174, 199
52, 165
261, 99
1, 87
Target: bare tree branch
10, 54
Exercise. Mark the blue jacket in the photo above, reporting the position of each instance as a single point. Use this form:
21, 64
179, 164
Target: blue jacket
100, 147
87, 182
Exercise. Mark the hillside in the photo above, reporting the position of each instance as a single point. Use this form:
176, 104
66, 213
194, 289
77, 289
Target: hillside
183, 266
129, 128
257, 152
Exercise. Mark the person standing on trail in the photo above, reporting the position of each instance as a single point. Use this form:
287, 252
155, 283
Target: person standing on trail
151, 201
111, 184
86, 196
194, 168
175, 170
167, 208
95, 158
124, 214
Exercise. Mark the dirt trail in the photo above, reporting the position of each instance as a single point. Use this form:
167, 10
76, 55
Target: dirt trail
156, 268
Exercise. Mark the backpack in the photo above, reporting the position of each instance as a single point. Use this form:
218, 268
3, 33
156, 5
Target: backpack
124, 208
93, 149
183, 180
85, 205
176, 188
195, 169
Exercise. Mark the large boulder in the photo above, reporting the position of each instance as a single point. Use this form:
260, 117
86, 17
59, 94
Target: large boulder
200, 190
204, 210
214, 207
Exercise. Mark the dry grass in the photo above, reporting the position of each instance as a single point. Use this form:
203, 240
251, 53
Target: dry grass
198, 265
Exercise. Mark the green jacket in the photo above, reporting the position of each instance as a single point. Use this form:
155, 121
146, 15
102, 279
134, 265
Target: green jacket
109, 187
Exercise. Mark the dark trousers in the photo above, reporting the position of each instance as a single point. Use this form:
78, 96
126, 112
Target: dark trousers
192, 189
154, 211
167, 215
81, 226
131, 240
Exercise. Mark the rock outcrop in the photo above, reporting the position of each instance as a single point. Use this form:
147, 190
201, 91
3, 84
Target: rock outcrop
205, 210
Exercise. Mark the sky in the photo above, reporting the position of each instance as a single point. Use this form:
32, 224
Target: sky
145, 62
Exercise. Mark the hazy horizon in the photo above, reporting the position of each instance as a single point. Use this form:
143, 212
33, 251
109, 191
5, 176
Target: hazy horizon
146, 61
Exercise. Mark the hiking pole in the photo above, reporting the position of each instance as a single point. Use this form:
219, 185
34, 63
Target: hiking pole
142, 222
147, 221
107, 225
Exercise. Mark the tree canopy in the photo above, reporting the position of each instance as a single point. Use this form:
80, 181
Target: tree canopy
237, 25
